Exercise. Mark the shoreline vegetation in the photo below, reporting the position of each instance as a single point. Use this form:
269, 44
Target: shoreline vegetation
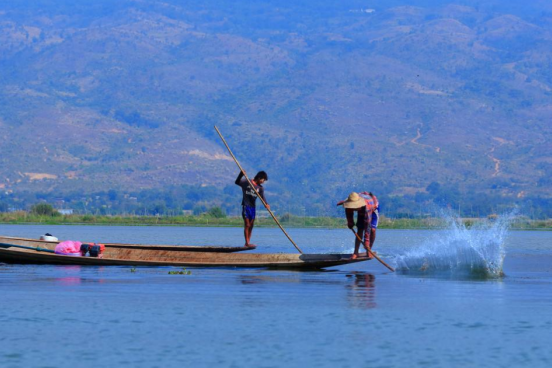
287, 220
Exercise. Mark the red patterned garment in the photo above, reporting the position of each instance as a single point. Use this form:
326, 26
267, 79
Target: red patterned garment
371, 200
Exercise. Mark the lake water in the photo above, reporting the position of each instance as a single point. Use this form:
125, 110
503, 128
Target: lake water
448, 304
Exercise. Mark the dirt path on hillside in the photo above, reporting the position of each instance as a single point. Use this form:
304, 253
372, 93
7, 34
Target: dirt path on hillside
418, 136
497, 162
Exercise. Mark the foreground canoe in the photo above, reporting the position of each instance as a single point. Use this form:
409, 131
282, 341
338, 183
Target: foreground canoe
20, 250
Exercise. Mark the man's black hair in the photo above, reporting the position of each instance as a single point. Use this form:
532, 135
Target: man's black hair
261, 175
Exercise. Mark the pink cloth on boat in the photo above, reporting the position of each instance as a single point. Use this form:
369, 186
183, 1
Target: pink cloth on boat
69, 248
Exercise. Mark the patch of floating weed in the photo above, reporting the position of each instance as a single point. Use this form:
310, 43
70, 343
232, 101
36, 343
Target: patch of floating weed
182, 272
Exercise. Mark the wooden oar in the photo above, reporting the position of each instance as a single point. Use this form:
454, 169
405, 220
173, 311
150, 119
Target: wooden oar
256, 192
38, 249
372, 253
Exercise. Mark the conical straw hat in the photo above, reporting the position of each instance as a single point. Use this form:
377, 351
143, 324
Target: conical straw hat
354, 201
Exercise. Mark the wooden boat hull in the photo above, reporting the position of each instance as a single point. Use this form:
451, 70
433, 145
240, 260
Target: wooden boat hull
127, 256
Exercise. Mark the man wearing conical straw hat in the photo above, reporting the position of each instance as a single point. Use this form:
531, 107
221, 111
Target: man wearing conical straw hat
365, 205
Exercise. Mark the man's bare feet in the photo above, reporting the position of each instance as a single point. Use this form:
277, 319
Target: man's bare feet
354, 256
367, 255
250, 245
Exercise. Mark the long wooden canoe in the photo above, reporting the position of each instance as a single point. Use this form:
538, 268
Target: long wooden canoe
20, 250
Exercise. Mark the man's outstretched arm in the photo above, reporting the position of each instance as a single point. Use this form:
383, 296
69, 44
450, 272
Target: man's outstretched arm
238, 180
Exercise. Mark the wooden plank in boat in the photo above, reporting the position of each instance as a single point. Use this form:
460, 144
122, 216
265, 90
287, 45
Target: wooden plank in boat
187, 248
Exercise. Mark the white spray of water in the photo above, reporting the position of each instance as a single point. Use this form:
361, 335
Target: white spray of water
476, 251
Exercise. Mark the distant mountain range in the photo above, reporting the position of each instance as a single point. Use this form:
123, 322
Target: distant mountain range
422, 102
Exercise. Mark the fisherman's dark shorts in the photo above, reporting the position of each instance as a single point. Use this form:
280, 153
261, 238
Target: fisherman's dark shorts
248, 213
375, 219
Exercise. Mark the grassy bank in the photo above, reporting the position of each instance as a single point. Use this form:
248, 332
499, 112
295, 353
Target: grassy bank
286, 221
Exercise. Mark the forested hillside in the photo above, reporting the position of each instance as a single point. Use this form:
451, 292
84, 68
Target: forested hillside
110, 106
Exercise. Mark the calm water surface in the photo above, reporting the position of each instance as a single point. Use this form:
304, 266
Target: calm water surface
436, 311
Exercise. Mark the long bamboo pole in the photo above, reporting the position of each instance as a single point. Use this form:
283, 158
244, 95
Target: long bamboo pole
256, 192
38, 249
374, 254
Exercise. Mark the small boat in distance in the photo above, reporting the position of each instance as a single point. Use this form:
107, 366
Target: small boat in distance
21, 250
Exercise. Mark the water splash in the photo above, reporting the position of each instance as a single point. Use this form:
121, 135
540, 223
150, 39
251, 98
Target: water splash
460, 251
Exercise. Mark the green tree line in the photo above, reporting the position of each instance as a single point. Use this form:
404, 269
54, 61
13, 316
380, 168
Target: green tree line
196, 200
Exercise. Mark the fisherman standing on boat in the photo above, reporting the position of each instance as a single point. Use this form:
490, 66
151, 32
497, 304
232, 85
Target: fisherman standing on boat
366, 206
248, 202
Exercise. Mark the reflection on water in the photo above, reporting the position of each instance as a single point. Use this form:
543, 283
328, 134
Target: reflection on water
72, 275
67, 275
287, 277
361, 292
69, 280
251, 280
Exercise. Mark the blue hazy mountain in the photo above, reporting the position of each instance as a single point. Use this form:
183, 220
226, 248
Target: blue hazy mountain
422, 102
